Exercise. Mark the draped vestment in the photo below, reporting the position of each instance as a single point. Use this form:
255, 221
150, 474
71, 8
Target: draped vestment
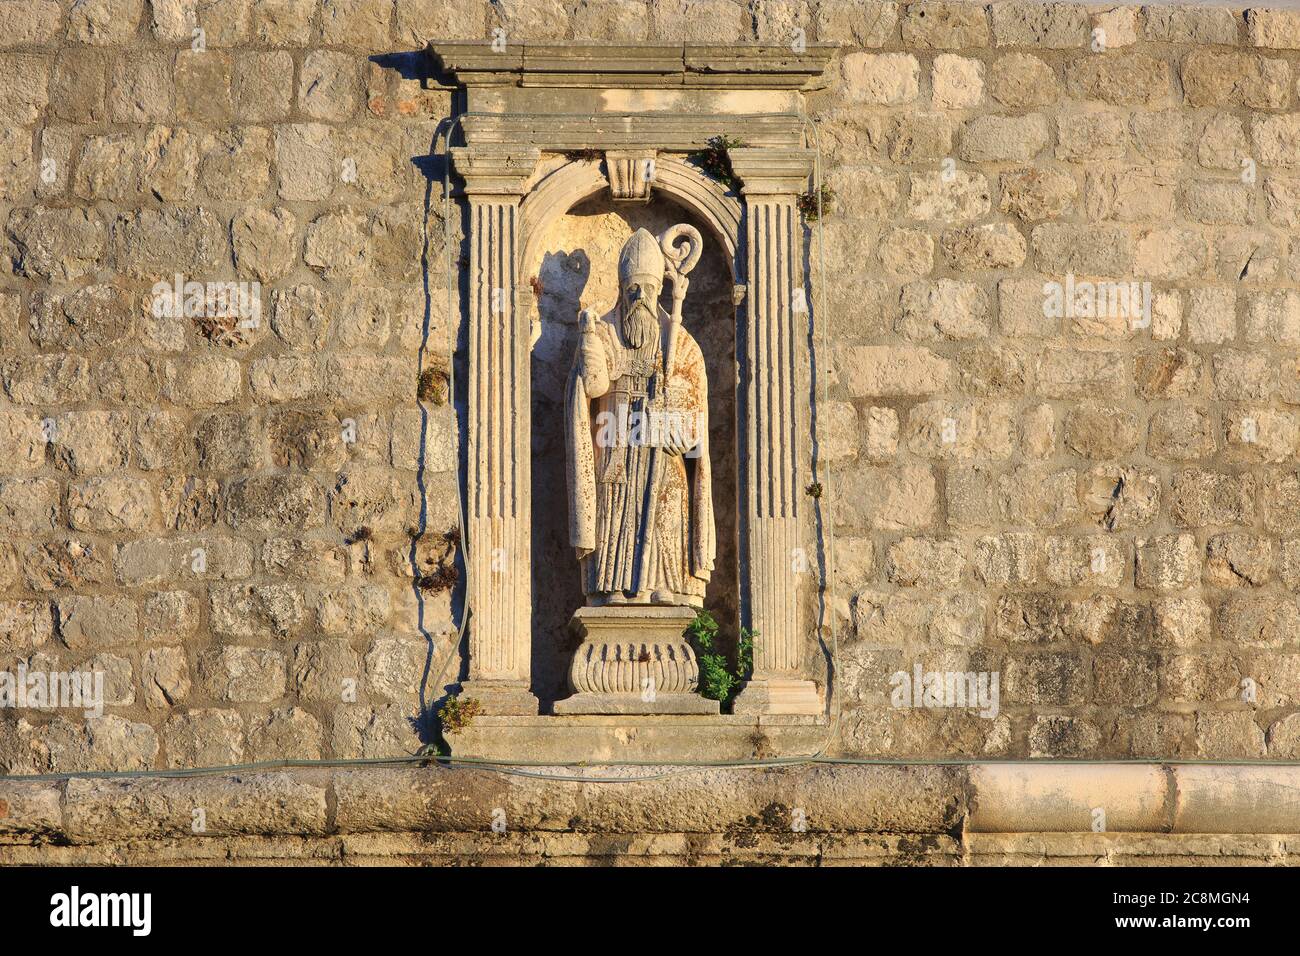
643, 517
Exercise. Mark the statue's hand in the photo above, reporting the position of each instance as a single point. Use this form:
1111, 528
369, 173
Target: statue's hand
676, 443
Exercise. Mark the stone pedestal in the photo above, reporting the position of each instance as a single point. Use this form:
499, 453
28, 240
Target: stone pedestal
617, 738
634, 660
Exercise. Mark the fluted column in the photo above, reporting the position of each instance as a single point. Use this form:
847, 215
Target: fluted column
497, 481
774, 395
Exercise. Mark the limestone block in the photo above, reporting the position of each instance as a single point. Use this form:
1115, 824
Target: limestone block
325, 671
885, 79
957, 82
283, 22
287, 733
1035, 193
164, 675
1215, 78
956, 198
1022, 81
931, 25
1273, 29
1050, 26
54, 244
993, 139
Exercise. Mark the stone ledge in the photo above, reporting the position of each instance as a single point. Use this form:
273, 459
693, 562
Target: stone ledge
655, 799
1028, 798
1010, 811
1137, 797
1127, 849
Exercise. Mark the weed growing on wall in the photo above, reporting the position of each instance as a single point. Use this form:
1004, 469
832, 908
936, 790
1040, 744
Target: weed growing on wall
719, 679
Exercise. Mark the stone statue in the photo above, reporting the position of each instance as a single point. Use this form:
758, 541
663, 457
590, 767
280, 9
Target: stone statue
640, 497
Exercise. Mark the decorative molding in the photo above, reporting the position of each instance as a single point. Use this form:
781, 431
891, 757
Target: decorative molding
634, 660
495, 169
772, 172
561, 189
665, 132
633, 66
630, 174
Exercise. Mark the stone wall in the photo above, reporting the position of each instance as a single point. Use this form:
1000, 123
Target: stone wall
226, 517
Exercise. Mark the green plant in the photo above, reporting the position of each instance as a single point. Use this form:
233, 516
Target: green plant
808, 203
432, 750
719, 679
713, 159
456, 714
745, 654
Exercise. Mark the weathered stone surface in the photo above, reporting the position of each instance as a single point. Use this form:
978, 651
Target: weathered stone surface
991, 139
54, 244
1034, 194
1051, 26
876, 370
941, 25
1217, 78
957, 82
260, 803
935, 196
973, 248
885, 79
1121, 79
1273, 29
1206, 25
943, 310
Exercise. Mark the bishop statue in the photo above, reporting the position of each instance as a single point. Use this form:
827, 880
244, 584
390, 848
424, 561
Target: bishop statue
640, 498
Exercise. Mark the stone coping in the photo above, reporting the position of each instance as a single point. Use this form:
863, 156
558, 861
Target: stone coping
992, 798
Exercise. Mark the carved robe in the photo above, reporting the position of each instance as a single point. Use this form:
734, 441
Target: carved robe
640, 517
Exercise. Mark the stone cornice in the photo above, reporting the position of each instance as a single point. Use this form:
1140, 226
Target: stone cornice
631, 131
638, 66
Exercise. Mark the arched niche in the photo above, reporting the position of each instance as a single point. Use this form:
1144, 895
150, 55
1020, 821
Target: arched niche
559, 190
569, 261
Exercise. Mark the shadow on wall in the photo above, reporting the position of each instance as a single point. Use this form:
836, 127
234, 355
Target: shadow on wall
578, 269
438, 532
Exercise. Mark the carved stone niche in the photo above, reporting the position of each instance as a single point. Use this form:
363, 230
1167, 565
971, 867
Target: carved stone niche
545, 128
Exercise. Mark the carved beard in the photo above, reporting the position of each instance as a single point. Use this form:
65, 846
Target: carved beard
639, 325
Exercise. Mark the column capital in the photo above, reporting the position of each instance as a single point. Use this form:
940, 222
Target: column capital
772, 172
495, 169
